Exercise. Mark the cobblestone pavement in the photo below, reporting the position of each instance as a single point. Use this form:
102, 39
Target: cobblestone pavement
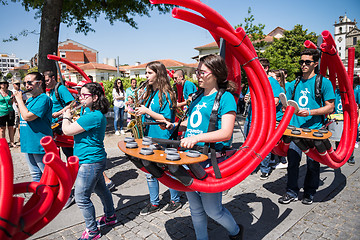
333, 215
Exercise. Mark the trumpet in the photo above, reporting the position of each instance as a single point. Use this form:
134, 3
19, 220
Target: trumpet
75, 109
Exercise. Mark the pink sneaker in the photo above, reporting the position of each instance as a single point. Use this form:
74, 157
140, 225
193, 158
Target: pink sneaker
90, 235
108, 221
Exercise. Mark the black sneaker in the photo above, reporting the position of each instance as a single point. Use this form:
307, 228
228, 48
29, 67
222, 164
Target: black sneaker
264, 176
240, 235
286, 198
351, 161
307, 199
172, 207
110, 185
149, 209
70, 200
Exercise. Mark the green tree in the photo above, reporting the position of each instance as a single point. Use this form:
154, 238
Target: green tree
8, 76
78, 13
285, 52
357, 52
255, 32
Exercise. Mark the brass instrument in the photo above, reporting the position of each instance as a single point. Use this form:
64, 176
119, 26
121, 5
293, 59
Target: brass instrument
75, 109
136, 125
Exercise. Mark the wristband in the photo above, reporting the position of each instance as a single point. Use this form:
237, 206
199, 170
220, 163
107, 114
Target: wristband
309, 113
173, 126
68, 119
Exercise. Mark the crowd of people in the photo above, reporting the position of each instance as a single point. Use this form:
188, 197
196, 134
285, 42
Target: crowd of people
158, 103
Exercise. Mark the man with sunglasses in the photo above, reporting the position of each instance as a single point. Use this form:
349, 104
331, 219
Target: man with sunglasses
188, 87
311, 115
35, 122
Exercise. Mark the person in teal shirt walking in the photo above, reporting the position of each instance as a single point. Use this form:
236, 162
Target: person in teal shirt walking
159, 105
35, 122
89, 134
311, 115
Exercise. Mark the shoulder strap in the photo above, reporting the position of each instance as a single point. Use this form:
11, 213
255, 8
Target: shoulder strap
318, 84
56, 89
212, 127
297, 80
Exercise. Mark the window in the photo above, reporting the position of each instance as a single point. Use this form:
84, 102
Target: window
11, 60
63, 67
339, 48
354, 40
340, 29
62, 54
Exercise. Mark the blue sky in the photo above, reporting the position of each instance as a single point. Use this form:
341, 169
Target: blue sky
163, 37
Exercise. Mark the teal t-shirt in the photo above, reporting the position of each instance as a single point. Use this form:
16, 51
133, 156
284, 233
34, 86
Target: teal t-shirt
89, 145
199, 115
5, 107
154, 130
277, 89
305, 98
338, 104
64, 94
31, 132
357, 94
189, 88
129, 92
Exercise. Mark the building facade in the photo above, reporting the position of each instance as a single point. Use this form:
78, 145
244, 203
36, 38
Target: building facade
8, 62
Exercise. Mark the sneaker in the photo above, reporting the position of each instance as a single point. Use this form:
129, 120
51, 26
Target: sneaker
172, 207
149, 209
108, 221
286, 198
281, 165
351, 161
110, 185
240, 235
264, 176
70, 200
307, 199
122, 132
88, 235
117, 133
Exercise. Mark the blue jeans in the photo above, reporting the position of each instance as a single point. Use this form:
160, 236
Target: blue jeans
36, 165
312, 177
118, 114
265, 164
209, 204
246, 128
153, 185
90, 179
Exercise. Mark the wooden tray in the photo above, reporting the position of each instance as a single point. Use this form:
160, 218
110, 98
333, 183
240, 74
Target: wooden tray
159, 156
308, 135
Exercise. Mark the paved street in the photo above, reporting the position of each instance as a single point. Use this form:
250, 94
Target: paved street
333, 215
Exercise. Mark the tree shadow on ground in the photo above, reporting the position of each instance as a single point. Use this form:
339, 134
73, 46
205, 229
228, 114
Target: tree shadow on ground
181, 227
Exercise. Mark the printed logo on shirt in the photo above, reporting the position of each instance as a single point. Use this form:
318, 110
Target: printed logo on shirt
304, 100
198, 114
339, 106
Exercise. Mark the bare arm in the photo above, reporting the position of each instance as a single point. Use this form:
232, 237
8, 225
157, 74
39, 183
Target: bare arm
25, 113
70, 128
144, 110
223, 134
327, 109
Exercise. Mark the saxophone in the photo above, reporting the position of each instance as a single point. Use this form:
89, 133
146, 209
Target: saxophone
136, 125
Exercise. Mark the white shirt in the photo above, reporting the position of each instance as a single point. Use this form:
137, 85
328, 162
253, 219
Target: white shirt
118, 103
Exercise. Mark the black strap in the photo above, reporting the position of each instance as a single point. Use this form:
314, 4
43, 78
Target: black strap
174, 135
212, 127
57, 95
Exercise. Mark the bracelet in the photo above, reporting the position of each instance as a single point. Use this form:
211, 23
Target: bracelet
68, 119
309, 113
173, 126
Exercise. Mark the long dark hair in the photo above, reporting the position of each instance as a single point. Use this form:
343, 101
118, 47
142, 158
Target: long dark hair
219, 69
163, 83
39, 77
116, 86
101, 103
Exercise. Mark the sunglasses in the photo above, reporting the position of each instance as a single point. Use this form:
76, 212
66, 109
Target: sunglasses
201, 73
30, 82
307, 62
85, 95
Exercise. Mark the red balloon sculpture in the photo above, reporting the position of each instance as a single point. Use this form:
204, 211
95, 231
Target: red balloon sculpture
322, 151
263, 133
19, 221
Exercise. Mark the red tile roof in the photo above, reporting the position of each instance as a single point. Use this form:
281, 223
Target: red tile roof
23, 67
169, 63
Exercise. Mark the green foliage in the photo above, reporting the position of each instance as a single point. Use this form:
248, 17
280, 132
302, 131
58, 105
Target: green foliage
79, 12
357, 52
33, 69
255, 32
285, 52
8, 76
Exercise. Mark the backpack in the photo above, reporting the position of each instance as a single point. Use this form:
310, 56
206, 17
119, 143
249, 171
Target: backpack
57, 95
